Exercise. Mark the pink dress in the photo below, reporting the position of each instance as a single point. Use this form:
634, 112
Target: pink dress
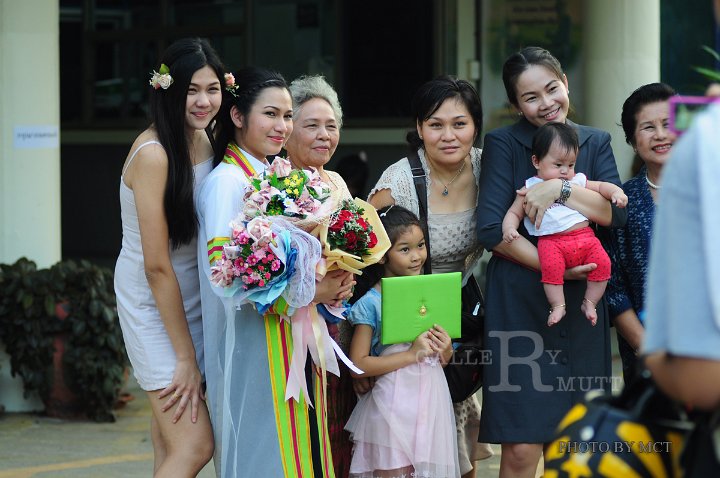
405, 422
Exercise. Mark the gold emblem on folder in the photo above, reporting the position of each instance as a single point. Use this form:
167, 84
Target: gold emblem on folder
423, 310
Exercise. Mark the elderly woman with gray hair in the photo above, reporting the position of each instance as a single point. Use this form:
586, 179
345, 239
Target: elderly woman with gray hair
317, 118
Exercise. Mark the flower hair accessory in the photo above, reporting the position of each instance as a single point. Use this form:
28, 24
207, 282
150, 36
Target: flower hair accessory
230, 84
162, 78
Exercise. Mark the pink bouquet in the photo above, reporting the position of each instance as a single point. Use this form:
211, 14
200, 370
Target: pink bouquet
248, 257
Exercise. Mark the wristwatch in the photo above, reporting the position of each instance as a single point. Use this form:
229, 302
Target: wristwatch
565, 191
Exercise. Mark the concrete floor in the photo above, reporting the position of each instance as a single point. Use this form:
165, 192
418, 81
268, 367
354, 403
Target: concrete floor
34, 446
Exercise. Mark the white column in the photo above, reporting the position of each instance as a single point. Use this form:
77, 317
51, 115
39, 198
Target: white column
29, 131
468, 68
621, 51
29, 150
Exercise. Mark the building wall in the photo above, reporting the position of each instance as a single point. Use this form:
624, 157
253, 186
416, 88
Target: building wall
29, 150
621, 53
29, 132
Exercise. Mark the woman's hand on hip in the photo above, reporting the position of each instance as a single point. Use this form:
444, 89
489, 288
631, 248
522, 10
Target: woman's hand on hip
186, 386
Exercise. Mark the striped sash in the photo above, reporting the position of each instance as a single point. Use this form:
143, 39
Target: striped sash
302, 431
233, 155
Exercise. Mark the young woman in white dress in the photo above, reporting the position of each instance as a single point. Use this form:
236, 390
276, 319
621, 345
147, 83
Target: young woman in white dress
156, 276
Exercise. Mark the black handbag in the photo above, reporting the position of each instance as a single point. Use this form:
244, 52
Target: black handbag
464, 371
641, 433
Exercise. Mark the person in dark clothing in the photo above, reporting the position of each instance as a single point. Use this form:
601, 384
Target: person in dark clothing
553, 366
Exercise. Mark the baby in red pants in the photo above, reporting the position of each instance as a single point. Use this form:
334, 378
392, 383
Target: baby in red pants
565, 239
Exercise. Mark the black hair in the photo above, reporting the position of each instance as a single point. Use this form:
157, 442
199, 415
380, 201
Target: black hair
396, 220
167, 115
520, 61
250, 81
646, 94
431, 95
548, 133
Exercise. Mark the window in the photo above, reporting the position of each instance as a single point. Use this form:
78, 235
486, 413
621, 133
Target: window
375, 61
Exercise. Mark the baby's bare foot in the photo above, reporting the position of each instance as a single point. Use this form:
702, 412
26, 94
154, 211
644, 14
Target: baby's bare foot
588, 308
557, 312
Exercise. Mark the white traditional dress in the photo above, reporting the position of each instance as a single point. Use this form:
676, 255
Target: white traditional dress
257, 432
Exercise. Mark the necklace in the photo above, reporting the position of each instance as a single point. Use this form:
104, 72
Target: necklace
445, 190
651, 184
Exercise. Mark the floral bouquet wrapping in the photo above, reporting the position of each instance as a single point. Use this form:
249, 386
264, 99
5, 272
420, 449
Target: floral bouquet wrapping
353, 238
260, 263
297, 194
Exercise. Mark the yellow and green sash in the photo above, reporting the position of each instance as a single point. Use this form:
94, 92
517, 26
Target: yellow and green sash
292, 419
234, 156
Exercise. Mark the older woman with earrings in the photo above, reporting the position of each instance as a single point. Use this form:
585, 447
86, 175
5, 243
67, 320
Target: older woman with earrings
522, 405
448, 120
257, 431
645, 117
316, 132
156, 276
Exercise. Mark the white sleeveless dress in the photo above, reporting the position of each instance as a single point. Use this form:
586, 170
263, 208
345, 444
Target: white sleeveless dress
148, 346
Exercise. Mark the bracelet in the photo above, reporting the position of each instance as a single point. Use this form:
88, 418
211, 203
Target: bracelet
565, 191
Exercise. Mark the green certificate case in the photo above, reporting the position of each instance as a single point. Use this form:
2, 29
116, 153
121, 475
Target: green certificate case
413, 304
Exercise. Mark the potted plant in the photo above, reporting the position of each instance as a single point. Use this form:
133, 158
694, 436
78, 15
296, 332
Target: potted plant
60, 329
712, 75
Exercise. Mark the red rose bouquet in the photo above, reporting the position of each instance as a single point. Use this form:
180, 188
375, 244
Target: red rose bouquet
353, 238
349, 231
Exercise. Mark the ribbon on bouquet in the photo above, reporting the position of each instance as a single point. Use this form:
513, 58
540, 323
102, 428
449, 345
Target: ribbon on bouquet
310, 333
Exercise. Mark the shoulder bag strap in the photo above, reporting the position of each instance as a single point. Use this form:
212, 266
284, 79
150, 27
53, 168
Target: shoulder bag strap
418, 174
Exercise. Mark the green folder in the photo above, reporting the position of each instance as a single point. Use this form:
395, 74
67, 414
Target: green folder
413, 304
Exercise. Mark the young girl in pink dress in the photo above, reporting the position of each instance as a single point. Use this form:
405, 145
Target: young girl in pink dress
404, 426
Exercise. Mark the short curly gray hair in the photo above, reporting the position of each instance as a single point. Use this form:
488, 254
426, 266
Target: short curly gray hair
306, 88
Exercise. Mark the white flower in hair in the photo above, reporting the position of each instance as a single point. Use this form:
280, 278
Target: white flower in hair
162, 78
